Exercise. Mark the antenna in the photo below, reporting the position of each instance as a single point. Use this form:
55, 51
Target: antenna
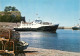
79, 20
29, 20
38, 18
36, 15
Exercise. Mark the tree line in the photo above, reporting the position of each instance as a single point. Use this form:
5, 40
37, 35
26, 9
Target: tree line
10, 8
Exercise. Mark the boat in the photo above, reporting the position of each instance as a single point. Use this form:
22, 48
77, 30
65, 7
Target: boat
76, 27
22, 45
37, 25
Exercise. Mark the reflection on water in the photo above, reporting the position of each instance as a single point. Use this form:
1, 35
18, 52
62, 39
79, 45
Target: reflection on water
66, 40
38, 34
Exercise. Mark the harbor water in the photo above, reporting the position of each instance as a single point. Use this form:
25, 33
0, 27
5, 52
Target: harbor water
65, 40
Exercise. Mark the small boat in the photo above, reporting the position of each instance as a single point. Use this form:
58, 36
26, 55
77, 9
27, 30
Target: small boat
76, 27
22, 45
37, 25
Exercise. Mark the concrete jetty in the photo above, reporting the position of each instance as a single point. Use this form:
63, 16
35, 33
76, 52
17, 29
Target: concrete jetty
64, 27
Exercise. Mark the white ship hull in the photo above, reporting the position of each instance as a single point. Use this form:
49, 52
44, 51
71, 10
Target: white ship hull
43, 28
37, 25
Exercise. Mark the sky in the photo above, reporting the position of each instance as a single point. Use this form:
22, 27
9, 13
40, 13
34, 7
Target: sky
62, 12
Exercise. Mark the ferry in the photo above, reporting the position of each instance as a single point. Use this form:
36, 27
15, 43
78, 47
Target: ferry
37, 25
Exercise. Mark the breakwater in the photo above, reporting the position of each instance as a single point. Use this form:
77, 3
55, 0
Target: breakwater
64, 27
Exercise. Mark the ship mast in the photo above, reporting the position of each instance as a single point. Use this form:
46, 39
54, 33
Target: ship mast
37, 17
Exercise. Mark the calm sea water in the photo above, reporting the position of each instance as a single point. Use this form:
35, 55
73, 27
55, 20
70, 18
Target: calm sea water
65, 40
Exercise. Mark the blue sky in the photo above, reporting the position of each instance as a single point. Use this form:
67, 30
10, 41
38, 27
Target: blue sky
64, 12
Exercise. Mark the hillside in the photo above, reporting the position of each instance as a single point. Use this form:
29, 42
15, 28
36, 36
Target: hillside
10, 16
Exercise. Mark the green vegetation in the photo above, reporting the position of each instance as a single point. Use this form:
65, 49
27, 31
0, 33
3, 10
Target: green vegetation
9, 18
10, 14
